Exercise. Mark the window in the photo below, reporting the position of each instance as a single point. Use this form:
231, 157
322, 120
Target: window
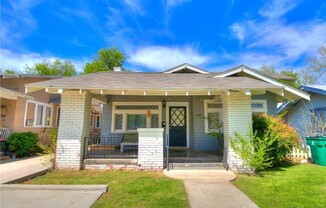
136, 121
97, 121
128, 117
37, 114
213, 115
258, 106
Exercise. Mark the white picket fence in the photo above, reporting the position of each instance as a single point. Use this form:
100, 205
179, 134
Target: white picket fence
300, 153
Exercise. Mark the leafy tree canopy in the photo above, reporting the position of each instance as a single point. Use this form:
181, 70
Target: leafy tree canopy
287, 72
315, 72
105, 60
52, 68
7, 71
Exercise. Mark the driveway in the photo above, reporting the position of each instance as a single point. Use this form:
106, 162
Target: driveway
211, 189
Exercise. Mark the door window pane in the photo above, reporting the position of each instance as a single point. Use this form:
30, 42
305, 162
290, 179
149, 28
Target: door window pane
136, 121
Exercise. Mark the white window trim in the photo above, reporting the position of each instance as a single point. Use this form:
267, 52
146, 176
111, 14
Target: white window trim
138, 112
36, 103
259, 110
211, 110
95, 121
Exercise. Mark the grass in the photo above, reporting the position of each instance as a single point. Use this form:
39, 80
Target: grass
126, 188
290, 186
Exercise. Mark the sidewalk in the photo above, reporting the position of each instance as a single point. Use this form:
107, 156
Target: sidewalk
211, 189
20, 169
45, 196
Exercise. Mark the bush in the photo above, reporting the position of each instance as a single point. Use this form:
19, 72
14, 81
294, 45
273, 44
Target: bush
253, 151
281, 136
23, 144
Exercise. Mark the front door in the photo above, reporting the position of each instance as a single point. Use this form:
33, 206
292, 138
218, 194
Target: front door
177, 126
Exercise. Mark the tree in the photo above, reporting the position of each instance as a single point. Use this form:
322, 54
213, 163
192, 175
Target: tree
287, 72
55, 68
105, 60
8, 71
315, 73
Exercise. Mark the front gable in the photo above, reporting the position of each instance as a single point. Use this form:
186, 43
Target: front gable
185, 68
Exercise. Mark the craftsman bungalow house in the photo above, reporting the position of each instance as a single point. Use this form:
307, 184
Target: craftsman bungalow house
176, 108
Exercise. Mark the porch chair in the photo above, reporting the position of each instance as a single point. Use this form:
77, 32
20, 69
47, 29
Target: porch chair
129, 141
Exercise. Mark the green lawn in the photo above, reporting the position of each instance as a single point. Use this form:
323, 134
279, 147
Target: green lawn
126, 188
291, 186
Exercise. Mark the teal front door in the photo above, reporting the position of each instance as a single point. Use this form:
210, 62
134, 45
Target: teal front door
177, 126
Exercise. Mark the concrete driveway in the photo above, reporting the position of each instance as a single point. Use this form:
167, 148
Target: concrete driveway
211, 189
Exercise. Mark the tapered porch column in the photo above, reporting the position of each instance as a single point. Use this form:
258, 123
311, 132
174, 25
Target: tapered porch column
73, 127
237, 117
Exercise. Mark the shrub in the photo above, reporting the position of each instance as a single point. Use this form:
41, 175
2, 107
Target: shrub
23, 144
50, 146
282, 137
253, 151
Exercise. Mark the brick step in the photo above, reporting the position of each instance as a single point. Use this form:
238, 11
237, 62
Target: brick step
184, 166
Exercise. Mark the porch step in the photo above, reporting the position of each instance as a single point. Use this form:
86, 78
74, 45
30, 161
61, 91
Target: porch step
184, 166
195, 159
101, 161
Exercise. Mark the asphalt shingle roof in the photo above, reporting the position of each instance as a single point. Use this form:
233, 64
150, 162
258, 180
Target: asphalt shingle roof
151, 81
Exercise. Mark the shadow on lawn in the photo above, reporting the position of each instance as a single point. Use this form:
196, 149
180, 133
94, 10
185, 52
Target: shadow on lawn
274, 170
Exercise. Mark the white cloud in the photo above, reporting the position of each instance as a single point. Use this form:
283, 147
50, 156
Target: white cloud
276, 8
17, 21
19, 61
135, 6
170, 6
161, 58
274, 40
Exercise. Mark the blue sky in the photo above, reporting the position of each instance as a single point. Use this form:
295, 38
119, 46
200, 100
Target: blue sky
157, 35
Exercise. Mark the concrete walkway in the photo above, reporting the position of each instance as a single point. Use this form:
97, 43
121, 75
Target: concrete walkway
21, 169
45, 196
211, 189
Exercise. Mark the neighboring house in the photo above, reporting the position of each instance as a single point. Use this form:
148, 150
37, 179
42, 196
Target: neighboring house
301, 113
175, 108
21, 112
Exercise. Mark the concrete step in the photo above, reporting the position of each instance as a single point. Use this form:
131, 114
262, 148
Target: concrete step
195, 159
98, 161
210, 166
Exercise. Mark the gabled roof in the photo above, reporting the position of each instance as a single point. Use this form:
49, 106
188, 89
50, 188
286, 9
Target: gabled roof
12, 94
319, 89
186, 68
263, 77
151, 83
13, 76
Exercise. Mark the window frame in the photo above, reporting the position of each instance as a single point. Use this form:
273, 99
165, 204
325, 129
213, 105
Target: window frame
99, 121
259, 110
212, 110
43, 119
125, 113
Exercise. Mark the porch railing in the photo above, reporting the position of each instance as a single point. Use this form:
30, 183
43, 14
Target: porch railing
108, 147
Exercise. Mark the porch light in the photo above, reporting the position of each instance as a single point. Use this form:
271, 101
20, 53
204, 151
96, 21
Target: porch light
122, 92
46, 89
209, 93
248, 92
166, 93
145, 93
187, 93
60, 90
101, 92
163, 103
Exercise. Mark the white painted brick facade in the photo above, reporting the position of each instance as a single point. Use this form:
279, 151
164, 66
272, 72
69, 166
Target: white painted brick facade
73, 127
237, 117
150, 148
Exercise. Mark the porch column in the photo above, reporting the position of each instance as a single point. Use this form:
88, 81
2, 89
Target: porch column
237, 117
150, 148
73, 127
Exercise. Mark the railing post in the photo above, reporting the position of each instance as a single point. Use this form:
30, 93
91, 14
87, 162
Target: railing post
167, 152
